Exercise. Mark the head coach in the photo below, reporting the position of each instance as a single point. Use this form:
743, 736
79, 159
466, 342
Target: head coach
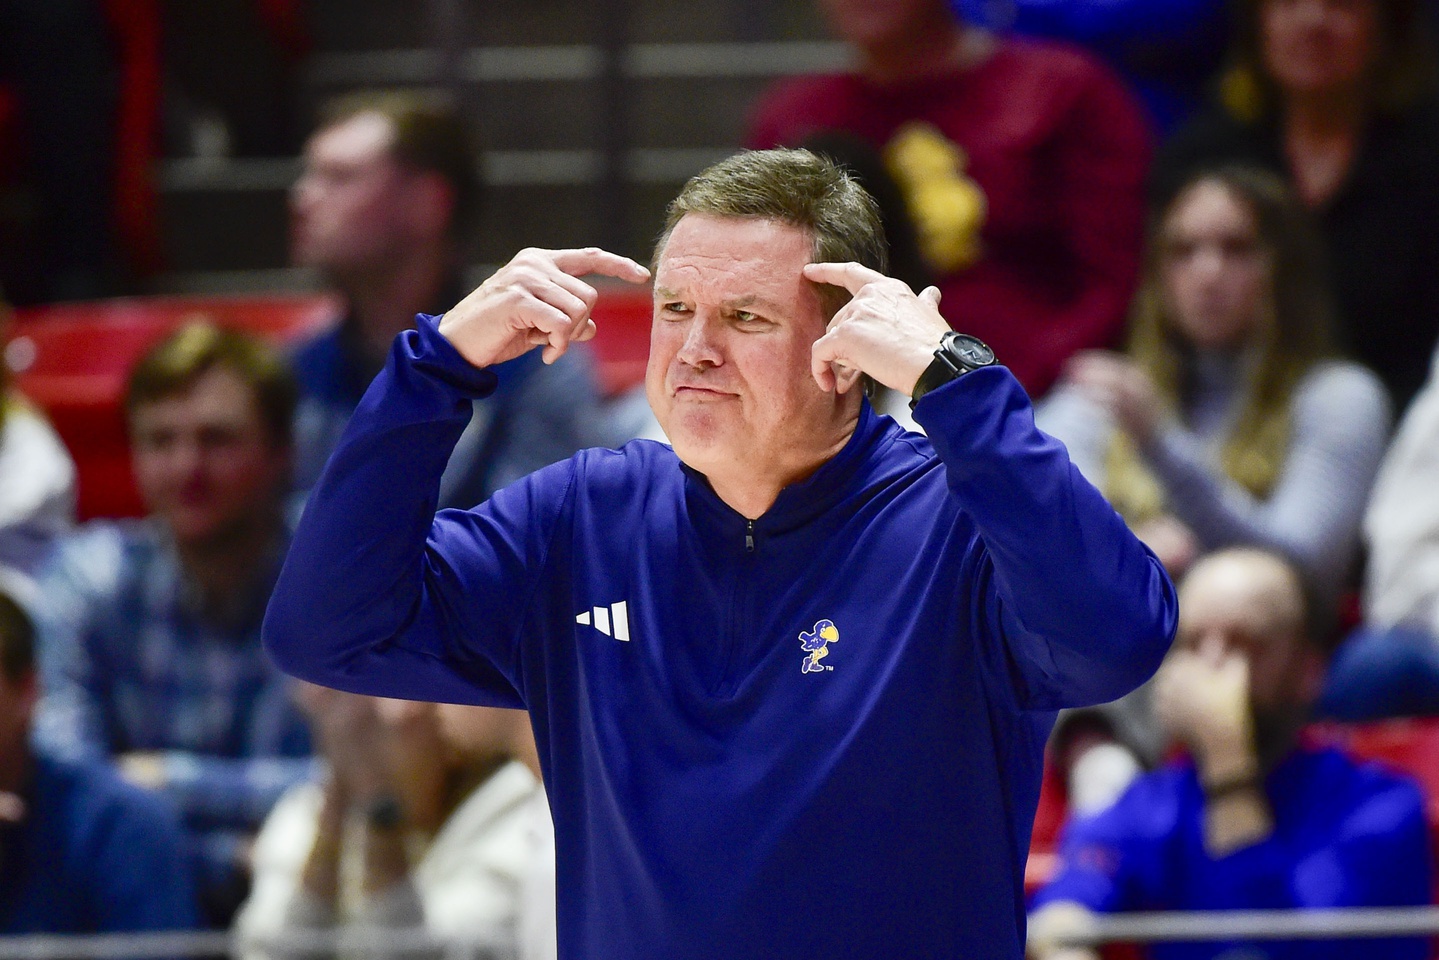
790, 677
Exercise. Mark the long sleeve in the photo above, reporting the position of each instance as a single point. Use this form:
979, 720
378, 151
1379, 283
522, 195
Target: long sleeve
1087, 611
379, 595
1314, 511
1401, 526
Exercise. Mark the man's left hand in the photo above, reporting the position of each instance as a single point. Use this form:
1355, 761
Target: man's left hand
887, 330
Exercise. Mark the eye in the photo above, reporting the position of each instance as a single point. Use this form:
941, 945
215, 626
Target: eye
674, 307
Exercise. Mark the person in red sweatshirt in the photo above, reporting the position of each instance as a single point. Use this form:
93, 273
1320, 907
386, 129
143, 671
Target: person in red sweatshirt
1022, 165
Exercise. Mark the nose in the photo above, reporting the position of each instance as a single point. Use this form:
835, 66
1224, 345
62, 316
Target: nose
700, 347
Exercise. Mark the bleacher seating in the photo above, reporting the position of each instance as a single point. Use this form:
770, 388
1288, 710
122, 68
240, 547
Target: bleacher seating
72, 360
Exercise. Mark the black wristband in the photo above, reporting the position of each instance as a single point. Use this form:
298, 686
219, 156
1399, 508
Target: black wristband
1219, 789
384, 812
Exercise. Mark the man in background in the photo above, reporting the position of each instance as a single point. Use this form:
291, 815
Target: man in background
81, 851
151, 630
388, 197
1258, 818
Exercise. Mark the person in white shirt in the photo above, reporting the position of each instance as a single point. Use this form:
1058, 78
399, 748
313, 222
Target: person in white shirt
429, 826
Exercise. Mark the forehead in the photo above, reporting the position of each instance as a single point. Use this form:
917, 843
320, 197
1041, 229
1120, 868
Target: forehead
1248, 597
1206, 206
724, 259
362, 138
217, 396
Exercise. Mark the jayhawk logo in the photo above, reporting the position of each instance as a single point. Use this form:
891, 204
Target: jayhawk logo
817, 642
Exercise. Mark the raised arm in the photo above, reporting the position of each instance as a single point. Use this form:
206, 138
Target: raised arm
380, 596
1086, 610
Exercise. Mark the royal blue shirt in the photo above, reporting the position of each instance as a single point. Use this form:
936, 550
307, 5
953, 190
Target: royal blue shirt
1345, 835
94, 854
814, 734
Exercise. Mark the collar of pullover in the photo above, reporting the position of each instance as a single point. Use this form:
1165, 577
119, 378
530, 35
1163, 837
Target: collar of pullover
799, 503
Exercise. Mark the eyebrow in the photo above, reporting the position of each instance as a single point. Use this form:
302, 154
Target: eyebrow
738, 303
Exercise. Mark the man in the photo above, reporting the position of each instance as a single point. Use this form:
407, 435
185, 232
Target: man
1259, 818
151, 630
81, 851
423, 825
791, 679
388, 196
1022, 164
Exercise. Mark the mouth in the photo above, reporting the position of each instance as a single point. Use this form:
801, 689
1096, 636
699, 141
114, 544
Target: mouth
700, 394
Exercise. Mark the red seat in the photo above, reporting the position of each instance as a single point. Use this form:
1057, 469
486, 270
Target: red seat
622, 345
1409, 745
73, 361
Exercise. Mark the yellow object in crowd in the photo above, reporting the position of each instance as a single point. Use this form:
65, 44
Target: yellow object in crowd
947, 207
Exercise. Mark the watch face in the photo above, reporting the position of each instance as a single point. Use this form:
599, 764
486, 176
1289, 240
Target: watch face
975, 352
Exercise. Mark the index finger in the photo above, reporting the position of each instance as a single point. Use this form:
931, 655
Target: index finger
583, 260
851, 276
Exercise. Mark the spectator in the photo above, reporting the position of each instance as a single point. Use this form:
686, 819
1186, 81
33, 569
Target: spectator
423, 825
1022, 163
81, 851
1338, 99
151, 630
1390, 665
1168, 50
37, 479
388, 194
1228, 422
1258, 818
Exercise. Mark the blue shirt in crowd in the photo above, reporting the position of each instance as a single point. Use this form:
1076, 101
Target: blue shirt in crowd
130, 662
93, 855
1345, 835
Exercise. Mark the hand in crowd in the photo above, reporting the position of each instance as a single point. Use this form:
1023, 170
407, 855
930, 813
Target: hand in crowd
349, 735
1172, 541
1053, 923
1204, 703
1118, 385
536, 298
886, 331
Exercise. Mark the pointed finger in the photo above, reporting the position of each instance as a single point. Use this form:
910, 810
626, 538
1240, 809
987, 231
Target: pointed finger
587, 260
851, 276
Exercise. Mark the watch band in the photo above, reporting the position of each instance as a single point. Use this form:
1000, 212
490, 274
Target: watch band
384, 812
956, 355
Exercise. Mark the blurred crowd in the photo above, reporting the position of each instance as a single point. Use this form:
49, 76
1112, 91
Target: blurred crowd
1201, 234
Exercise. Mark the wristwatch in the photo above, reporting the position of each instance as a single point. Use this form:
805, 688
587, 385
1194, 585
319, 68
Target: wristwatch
958, 354
384, 812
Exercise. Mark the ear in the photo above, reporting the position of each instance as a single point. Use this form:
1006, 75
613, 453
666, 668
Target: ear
432, 204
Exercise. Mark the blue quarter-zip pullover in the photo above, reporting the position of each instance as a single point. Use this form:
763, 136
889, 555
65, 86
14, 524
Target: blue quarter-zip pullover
813, 734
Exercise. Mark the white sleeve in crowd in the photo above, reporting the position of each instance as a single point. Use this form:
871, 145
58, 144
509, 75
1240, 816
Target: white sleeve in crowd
1401, 526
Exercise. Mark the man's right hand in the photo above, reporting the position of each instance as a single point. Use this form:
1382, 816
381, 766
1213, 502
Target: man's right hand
536, 298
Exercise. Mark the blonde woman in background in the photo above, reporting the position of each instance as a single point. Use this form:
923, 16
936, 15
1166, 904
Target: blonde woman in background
1229, 421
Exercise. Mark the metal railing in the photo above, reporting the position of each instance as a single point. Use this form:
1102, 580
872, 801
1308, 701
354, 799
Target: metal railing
349, 942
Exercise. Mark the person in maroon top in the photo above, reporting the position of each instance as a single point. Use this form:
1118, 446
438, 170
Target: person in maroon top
1023, 165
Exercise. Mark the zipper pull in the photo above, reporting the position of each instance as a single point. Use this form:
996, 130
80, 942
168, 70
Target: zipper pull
749, 537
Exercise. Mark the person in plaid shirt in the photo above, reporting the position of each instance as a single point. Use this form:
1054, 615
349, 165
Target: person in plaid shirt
150, 629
